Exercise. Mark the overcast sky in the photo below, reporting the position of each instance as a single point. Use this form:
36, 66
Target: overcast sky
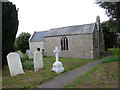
41, 15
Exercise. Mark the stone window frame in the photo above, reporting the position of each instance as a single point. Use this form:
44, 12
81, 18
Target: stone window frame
64, 43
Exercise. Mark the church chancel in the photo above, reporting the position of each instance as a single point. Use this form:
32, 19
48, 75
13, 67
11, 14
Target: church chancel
78, 41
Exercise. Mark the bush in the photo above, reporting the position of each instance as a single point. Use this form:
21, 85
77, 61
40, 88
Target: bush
25, 58
28, 65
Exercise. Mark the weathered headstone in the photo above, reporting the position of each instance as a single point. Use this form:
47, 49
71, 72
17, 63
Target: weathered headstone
14, 64
20, 54
29, 54
57, 66
38, 60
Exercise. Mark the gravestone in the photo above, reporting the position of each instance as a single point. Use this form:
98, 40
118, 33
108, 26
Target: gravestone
14, 64
38, 60
20, 54
57, 66
29, 54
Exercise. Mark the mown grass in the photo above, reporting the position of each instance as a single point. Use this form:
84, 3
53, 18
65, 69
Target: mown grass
110, 59
31, 79
114, 51
104, 75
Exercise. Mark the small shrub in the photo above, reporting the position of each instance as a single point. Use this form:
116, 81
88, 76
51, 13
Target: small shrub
24, 59
28, 65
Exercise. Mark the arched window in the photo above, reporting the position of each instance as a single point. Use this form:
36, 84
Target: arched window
64, 43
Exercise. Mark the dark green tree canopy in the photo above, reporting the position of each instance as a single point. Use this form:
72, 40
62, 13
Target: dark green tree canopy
113, 11
109, 36
22, 41
9, 29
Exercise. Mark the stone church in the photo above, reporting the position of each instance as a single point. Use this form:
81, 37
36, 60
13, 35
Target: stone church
79, 41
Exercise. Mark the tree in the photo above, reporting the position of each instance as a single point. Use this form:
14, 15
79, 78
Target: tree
22, 41
109, 36
112, 11
9, 29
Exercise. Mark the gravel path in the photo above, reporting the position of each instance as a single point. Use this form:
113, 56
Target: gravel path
67, 77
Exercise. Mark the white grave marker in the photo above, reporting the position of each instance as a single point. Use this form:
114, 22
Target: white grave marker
14, 64
57, 66
38, 60
20, 54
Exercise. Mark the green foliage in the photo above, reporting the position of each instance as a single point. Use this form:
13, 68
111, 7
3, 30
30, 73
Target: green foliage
28, 65
100, 76
114, 51
9, 29
25, 58
22, 41
112, 8
109, 37
112, 11
110, 59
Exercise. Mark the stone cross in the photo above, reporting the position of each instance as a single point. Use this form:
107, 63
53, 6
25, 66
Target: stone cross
56, 51
38, 60
14, 64
57, 65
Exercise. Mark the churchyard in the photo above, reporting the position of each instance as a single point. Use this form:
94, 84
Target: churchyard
104, 75
31, 78
99, 76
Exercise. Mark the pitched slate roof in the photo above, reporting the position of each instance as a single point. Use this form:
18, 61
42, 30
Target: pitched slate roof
38, 36
70, 30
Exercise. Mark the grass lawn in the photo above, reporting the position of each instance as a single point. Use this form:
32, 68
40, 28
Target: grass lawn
31, 79
104, 75
114, 51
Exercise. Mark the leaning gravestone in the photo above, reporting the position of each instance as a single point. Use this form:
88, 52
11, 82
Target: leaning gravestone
38, 60
29, 54
20, 54
14, 64
57, 66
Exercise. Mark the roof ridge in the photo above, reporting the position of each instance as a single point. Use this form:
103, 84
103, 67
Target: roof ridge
42, 31
72, 26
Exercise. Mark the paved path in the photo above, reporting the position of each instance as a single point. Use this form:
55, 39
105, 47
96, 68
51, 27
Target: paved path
62, 79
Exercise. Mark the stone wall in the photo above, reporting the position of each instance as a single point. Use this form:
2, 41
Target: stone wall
79, 46
95, 44
34, 45
98, 43
101, 42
